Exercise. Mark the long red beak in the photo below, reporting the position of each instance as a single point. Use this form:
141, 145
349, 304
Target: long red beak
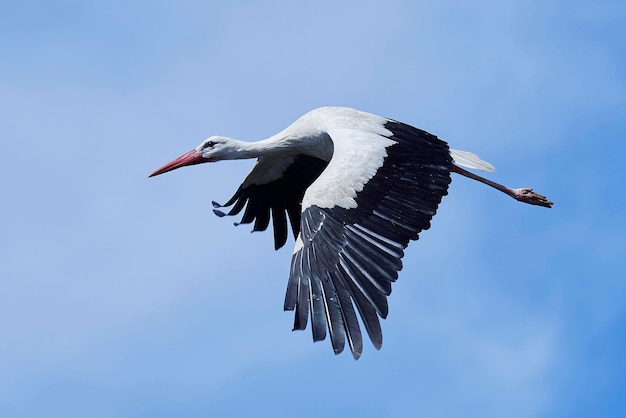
190, 158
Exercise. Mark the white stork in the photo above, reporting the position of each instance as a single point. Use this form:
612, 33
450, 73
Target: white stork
356, 188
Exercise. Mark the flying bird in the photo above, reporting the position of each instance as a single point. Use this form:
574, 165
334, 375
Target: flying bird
355, 189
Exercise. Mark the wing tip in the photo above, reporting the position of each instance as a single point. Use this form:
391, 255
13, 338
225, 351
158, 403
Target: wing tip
219, 213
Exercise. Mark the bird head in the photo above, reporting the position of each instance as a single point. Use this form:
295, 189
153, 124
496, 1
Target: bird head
214, 148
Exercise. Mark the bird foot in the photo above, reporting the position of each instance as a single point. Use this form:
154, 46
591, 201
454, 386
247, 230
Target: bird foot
527, 195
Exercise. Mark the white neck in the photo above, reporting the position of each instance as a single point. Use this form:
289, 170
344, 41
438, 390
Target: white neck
317, 146
243, 150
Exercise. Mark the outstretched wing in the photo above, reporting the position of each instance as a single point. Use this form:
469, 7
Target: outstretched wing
379, 191
274, 188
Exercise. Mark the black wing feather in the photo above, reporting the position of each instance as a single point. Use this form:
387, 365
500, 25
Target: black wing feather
355, 254
276, 197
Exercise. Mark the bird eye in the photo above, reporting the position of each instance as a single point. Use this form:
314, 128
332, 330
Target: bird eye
208, 145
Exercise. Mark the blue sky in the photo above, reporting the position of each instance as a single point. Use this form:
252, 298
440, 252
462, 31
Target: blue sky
123, 296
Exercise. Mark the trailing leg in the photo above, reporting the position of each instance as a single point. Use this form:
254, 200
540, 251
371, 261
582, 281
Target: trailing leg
523, 194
